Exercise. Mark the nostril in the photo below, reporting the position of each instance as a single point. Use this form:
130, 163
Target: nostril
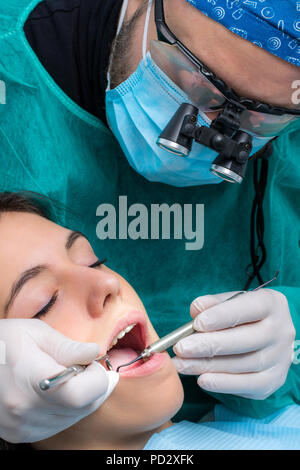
107, 299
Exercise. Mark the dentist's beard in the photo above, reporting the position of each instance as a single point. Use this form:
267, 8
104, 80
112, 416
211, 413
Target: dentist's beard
121, 67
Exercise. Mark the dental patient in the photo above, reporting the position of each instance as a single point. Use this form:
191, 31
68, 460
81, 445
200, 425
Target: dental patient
79, 295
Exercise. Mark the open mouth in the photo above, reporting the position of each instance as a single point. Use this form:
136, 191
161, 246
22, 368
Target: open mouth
127, 340
127, 346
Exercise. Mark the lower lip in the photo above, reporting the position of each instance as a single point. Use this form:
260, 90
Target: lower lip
141, 369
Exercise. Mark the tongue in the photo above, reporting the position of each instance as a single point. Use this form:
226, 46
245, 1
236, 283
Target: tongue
118, 357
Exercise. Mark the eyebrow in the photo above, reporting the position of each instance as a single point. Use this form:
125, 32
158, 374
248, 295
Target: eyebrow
73, 236
32, 273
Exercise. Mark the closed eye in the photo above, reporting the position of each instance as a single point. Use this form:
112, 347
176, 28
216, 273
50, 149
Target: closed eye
47, 308
98, 263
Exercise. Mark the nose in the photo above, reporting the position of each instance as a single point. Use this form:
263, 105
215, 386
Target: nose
104, 291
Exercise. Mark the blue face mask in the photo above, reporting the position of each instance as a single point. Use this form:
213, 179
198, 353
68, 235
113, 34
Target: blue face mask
139, 109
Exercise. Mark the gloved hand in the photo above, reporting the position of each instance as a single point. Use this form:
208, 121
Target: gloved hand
244, 346
35, 351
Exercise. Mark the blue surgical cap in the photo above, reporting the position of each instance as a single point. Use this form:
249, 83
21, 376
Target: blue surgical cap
273, 25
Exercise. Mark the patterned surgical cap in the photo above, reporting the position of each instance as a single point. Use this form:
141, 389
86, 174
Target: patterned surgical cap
273, 25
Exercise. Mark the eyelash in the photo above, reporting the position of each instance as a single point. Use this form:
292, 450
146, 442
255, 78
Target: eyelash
53, 299
98, 263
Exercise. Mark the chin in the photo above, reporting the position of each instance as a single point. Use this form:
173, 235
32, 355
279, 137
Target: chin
143, 404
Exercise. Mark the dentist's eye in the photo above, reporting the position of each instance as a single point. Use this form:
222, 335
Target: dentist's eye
47, 307
98, 263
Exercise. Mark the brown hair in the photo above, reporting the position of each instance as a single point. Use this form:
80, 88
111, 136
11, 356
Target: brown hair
22, 202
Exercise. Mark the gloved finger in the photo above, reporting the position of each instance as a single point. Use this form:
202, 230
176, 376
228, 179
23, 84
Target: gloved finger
256, 361
42, 366
71, 401
72, 409
91, 384
253, 385
247, 308
238, 340
95, 383
207, 301
64, 350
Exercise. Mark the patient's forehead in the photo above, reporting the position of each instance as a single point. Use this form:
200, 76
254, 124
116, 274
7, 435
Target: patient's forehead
25, 234
31, 224
26, 240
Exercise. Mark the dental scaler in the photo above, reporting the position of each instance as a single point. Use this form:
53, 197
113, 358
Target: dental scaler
164, 343
159, 346
67, 374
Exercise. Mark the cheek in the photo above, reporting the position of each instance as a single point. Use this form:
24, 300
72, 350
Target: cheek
71, 324
129, 295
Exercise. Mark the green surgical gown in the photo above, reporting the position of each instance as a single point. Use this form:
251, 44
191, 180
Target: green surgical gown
50, 145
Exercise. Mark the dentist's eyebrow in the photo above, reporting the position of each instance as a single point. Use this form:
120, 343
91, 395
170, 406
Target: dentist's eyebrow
32, 273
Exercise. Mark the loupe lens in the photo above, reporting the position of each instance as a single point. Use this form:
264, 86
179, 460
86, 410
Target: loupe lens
226, 174
173, 147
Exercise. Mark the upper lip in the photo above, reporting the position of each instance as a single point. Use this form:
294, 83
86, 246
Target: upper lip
134, 317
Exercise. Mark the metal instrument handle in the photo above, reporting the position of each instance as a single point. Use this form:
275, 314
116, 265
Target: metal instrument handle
65, 375
58, 379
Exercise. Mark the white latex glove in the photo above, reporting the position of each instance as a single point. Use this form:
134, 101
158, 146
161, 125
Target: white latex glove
244, 346
35, 351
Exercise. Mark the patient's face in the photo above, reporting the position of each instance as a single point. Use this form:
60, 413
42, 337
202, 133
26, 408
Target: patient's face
88, 303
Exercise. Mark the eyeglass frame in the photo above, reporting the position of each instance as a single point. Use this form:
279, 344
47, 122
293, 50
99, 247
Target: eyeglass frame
229, 94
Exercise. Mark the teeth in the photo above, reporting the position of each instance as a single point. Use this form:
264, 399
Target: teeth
121, 335
129, 328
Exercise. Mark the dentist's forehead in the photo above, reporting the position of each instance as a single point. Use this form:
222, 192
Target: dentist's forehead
272, 25
250, 70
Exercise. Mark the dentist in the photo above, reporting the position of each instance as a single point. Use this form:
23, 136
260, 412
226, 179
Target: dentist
162, 100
